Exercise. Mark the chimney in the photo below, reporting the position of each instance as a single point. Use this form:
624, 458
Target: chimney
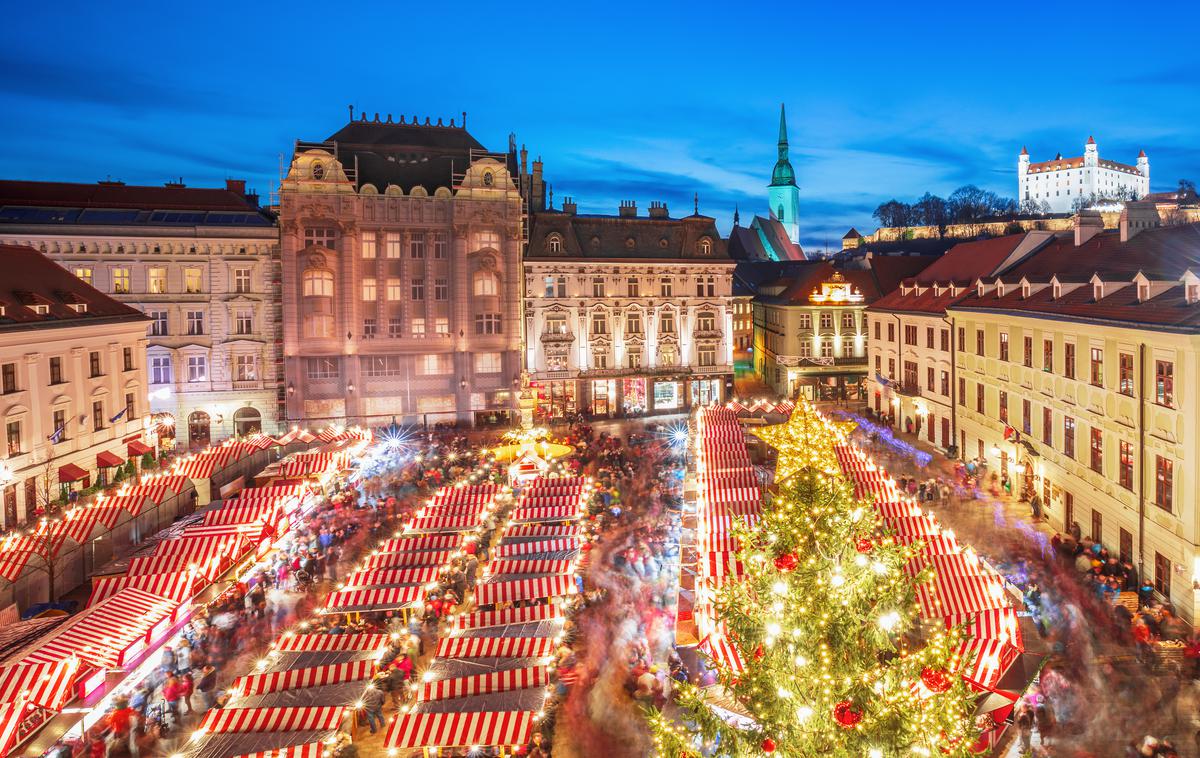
1137, 217
175, 185
1087, 225
236, 186
628, 208
658, 209
569, 206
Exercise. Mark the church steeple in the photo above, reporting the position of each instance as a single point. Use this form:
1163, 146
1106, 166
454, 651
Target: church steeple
783, 193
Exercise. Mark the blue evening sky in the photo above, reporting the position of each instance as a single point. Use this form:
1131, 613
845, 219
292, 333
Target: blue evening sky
643, 101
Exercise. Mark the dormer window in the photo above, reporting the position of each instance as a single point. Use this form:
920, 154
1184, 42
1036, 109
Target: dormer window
704, 246
980, 290
999, 289
79, 307
1192, 294
1025, 289
41, 309
3, 311
1056, 290
1097, 291
554, 244
1143, 292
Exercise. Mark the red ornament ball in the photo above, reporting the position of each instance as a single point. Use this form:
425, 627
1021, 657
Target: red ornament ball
786, 562
586, 547
863, 545
845, 714
937, 680
768, 745
759, 653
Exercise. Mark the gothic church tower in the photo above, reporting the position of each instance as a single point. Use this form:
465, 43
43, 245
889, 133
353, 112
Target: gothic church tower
783, 193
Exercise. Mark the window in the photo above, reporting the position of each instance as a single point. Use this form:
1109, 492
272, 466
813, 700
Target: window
370, 328
97, 415
631, 287
1164, 473
706, 321
633, 359
192, 281
665, 287
910, 374
633, 323
487, 323
318, 283
160, 369
440, 245
1068, 436
418, 289
1048, 427
396, 327
1097, 446
156, 281
8, 377
244, 321
392, 245
554, 244
945, 384
1097, 526
56, 374
94, 363
13, 437
245, 368
1125, 374
127, 359
1097, 372
929, 378
1004, 346
158, 323
805, 320
910, 331
979, 398
556, 323
84, 274
962, 391
806, 323
59, 423
241, 280
380, 365
1028, 359
945, 340
1026, 416
195, 322
433, 365
321, 368
891, 333
1003, 407
962, 338
704, 246
928, 332
197, 368
487, 238
1047, 355
666, 322
1125, 549
416, 245
891, 367
1069, 360
320, 237
418, 328
1164, 383
441, 290
1125, 464
120, 281
1162, 575
706, 357
598, 287
368, 290
706, 287
487, 363
978, 342
369, 246
485, 284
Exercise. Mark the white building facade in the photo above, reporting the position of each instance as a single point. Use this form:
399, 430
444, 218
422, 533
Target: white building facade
202, 264
1066, 184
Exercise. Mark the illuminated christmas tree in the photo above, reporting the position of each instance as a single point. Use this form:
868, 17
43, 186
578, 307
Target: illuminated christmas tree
835, 661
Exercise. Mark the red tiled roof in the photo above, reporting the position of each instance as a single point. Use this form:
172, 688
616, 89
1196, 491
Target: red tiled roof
127, 197
1077, 162
27, 278
889, 270
963, 263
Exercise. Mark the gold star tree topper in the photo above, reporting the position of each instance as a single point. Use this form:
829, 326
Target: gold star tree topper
804, 441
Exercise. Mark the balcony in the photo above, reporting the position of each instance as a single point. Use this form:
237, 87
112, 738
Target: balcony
721, 369
708, 334
908, 389
557, 337
247, 384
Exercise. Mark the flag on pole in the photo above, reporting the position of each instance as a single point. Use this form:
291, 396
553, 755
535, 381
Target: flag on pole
58, 433
117, 417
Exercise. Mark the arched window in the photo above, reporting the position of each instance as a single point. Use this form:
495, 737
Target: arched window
318, 170
488, 179
779, 215
554, 244
247, 421
199, 430
318, 283
486, 283
704, 246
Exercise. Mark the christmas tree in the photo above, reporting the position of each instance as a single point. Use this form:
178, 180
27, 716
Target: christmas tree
835, 660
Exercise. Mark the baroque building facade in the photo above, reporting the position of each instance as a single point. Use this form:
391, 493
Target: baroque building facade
201, 263
626, 315
72, 385
401, 246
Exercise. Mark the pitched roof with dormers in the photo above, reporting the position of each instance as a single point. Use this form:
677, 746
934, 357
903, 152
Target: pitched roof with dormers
29, 279
601, 237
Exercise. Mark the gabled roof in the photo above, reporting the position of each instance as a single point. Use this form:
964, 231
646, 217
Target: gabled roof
889, 270
29, 279
623, 237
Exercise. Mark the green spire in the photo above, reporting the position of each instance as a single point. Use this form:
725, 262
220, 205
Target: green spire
783, 174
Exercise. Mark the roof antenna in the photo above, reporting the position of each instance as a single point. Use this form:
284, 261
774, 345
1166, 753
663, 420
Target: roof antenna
696, 203
464, 114
351, 107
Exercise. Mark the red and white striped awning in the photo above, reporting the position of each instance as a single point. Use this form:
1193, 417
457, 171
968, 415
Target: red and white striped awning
962, 564
209, 568
722, 567
11, 716
550, 501
898, 510
554, 513
1001, 624
443, 524
198, 467
542, 530
235, 512
495, 647
528, 614
134, 499
46, 685
536, 546
79, 523
909, 526
323, 643
132, 504
102, 634
733, 509
179, 586
309, 750
371, 577
301, 719
949, 594
202, 549
16, 554
531, 566
453, 509
489, 593
292, 679
407, 559
483, 684
376, 598
420, 542
721, 651
988, 660
735, 495
260, 441
273, 490
491, 728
